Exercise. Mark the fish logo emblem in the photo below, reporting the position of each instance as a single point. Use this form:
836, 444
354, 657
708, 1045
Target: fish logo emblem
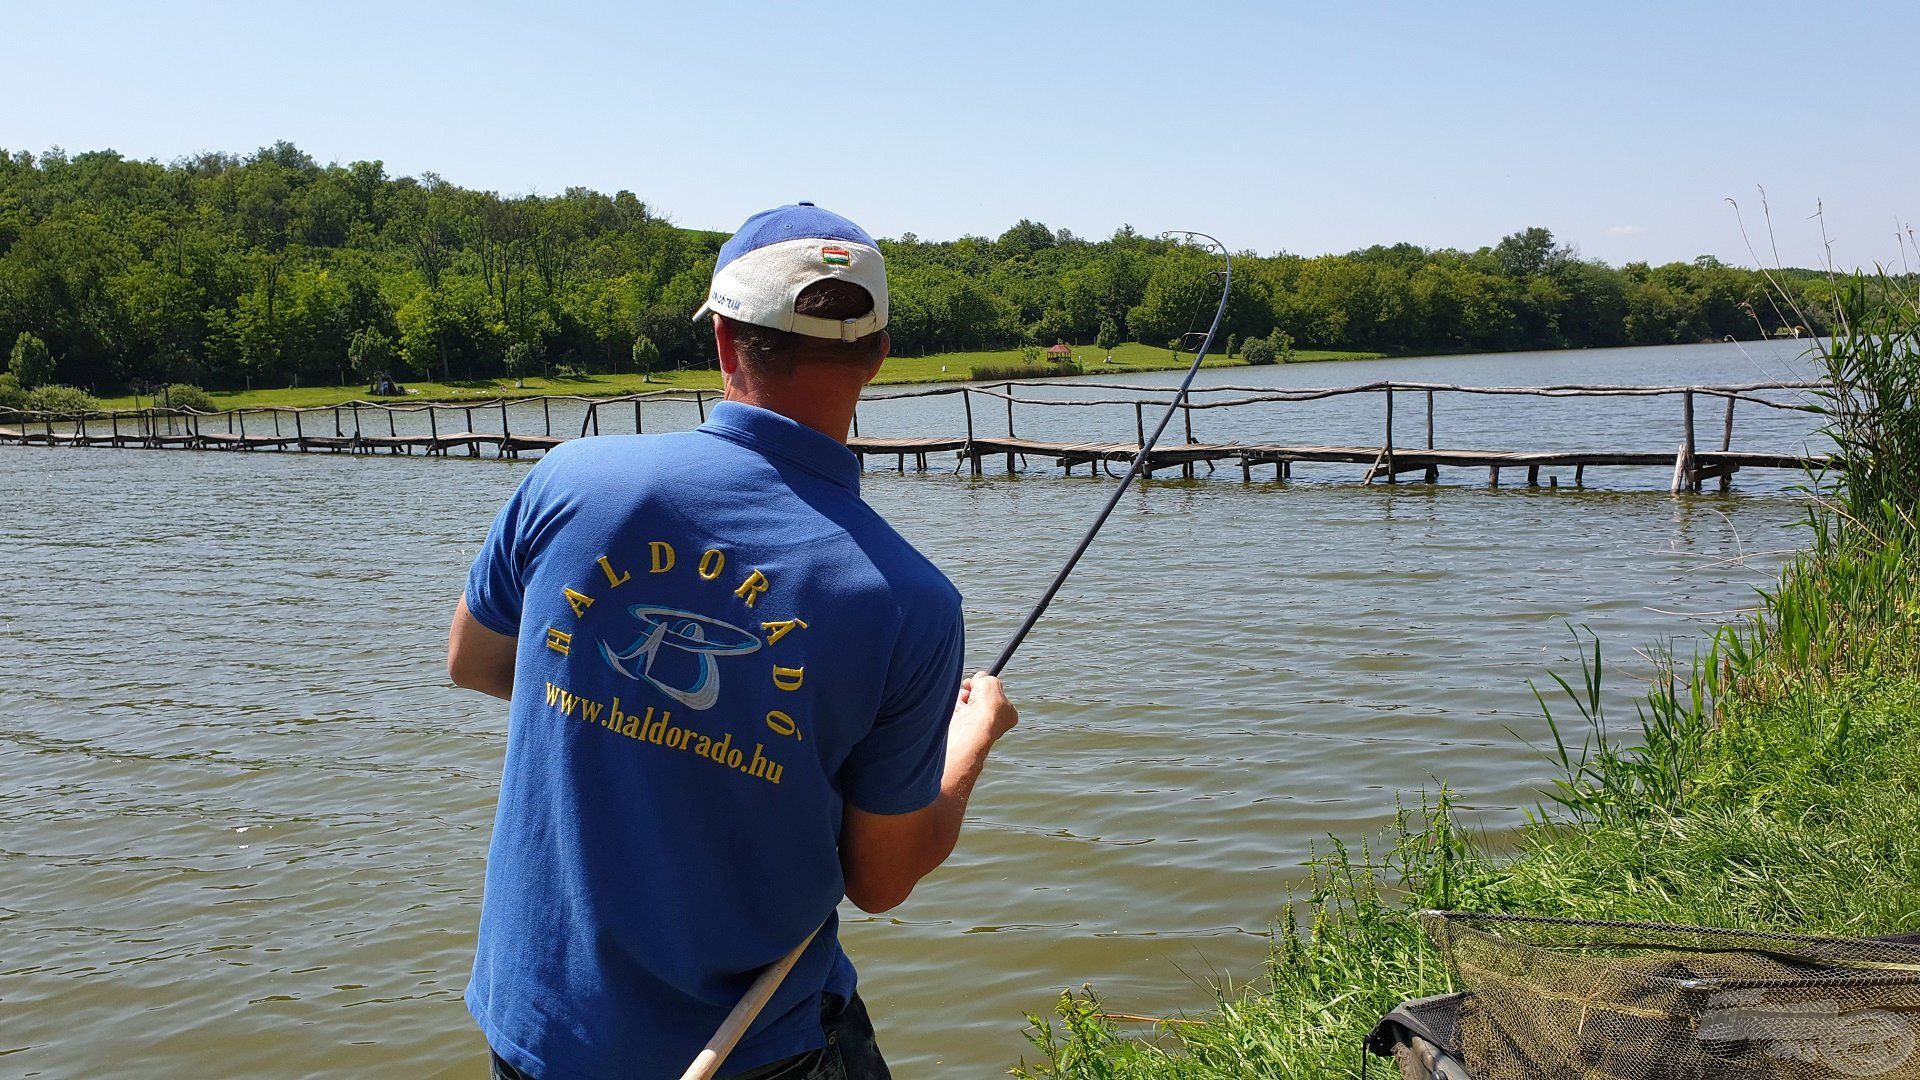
677, 653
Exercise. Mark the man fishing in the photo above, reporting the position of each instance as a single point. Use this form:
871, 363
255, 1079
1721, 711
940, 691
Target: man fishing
736, 697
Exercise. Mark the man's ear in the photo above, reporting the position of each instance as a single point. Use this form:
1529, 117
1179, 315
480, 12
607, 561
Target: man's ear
873, 366
724, 344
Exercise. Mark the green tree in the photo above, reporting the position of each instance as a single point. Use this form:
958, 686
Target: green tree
646, 357
1258, 351
30, 362
1233, 345
371, 353
1109, 335
518, 358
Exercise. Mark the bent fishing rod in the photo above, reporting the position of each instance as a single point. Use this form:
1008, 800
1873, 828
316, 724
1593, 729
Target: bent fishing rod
707, 1064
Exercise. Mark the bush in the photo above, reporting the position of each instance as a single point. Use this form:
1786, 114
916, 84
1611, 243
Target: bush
61, 399
1001, 372
188, 396
11, 395
30, 363
1258, 352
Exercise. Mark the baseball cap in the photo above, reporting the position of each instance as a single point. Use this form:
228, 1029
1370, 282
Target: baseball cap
779, 252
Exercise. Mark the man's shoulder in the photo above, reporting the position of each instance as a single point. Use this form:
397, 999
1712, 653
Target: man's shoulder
915, 581
628, 456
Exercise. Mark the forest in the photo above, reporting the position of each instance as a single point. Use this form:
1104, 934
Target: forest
271, 269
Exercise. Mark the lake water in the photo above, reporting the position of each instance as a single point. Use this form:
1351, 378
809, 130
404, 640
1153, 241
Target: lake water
243, 815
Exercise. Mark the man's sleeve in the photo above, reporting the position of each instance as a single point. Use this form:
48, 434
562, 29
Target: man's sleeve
897, 768
497, 582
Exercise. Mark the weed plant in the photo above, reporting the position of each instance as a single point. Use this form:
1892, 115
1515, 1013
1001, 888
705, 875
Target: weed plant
1771, 782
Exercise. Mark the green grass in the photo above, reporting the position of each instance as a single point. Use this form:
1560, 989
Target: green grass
1771, 783
942, 367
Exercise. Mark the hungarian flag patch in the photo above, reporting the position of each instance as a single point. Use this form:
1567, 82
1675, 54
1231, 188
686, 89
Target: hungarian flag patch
836, 256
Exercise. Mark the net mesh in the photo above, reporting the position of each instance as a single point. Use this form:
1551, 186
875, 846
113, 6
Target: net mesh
1582, 999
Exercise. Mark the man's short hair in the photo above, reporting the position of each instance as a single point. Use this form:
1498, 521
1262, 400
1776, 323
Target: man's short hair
765, 350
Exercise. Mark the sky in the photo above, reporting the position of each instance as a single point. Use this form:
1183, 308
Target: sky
1624, 127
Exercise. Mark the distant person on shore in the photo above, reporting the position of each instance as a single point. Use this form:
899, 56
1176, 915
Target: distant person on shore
736, 697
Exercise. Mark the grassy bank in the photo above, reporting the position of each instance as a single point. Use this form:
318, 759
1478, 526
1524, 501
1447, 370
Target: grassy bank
941, 367
1773, 783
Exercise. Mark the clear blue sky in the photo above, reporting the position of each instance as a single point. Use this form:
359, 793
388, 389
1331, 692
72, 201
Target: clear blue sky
1622, 126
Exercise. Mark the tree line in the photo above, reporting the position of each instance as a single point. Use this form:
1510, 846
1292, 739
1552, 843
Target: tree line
272, 269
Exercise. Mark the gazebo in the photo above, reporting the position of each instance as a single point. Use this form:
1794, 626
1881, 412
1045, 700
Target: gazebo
1061, 351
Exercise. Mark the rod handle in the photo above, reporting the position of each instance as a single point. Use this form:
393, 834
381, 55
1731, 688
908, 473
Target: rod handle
711, 1056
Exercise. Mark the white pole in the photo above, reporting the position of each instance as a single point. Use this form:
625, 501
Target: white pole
741, 1018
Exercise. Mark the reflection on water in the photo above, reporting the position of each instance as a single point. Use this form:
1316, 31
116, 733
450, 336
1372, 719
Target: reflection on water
243, 816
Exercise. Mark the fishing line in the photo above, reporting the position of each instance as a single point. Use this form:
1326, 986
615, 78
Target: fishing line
1139, 459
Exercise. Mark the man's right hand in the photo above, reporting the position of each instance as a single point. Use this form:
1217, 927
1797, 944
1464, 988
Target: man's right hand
980, 717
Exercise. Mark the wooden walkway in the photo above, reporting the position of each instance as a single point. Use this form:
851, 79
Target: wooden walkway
342, 429
1707, 464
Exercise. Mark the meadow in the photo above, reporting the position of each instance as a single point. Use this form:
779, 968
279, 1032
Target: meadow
993, 365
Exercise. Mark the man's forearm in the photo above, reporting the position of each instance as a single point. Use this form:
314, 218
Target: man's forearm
964, 765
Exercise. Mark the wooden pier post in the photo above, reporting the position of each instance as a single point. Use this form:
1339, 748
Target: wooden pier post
1393, 475
1009, 389
856, 419
1726, 444
299, 436
1683, 479
637, 428
1186, 467
1140, 431
973, 456
473, 448
1429, 419
700, 403
546, 412
506, 433
433, 429
116, 427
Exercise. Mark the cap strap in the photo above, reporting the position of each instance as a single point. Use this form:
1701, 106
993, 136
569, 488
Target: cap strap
843, 329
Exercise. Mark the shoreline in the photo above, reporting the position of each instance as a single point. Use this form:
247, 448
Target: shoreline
1131, 359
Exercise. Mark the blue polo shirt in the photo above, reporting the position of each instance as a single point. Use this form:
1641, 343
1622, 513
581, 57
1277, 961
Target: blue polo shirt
720, 646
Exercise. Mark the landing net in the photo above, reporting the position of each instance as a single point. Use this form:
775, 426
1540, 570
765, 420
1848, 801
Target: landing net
1574, 999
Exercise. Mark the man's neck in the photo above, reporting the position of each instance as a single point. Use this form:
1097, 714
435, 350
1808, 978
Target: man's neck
829, 414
